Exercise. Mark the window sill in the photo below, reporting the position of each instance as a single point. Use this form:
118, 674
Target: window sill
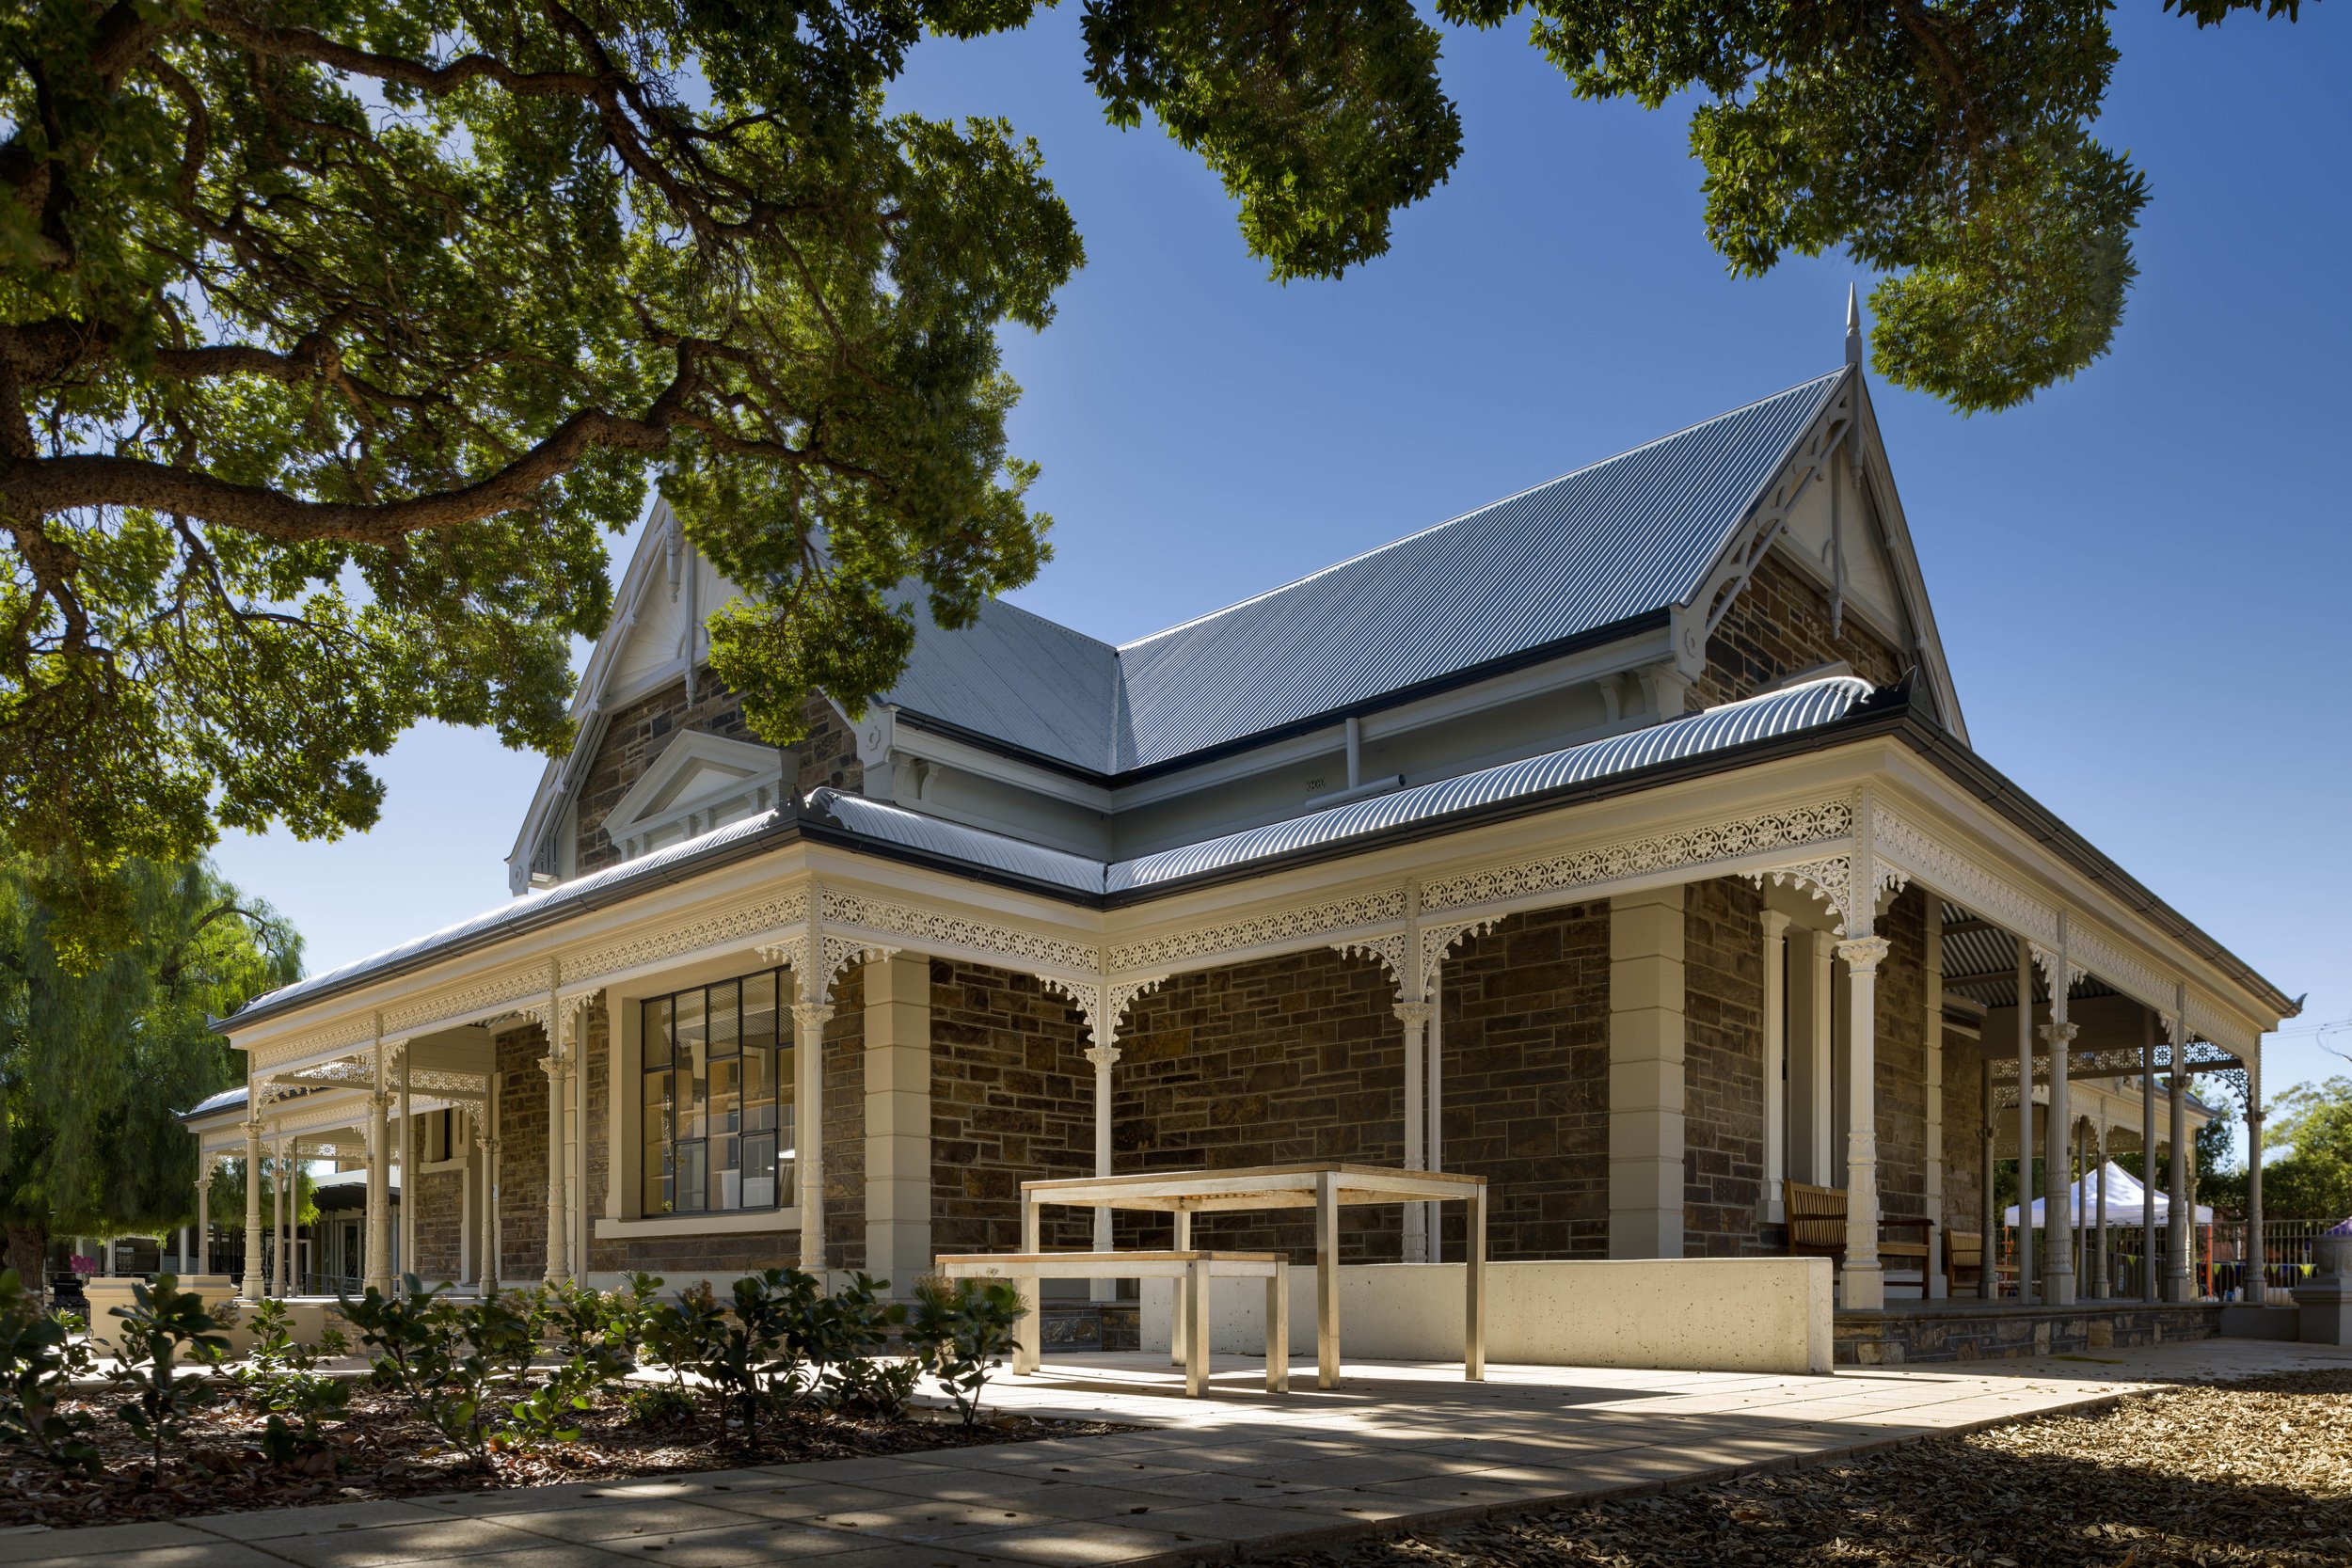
701, 1225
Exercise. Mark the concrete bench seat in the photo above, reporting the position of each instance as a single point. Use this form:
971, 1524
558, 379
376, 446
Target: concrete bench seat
1192, 1270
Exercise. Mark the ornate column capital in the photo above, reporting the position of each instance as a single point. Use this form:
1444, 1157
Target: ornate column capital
812, 1015
1415, 1015
2060, 1033
1105, 1057
1863, 954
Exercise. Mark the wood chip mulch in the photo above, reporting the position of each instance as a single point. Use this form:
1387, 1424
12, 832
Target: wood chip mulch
379, 1451
2217, 1476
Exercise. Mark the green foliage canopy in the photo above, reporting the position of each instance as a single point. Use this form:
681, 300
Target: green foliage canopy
94, 1066
2310, 1174
336, 334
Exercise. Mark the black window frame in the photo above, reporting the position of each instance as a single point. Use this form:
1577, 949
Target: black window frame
779, 1044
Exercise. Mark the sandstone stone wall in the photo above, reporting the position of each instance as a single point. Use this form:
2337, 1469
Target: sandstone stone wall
1779, 625
1723, 1069
1902, 1057
635, 736
1292, 1059
522, 1091
1012, 1099
1963, 1133
440, 1222
844, 1115
1526, 1097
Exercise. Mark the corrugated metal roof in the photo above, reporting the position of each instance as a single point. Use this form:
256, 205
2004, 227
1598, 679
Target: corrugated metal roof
954, 841
1626, 536
1779, 713
1019, 678
220, 1102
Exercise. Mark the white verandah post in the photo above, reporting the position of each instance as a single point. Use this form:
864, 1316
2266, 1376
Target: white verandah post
2148, 1154
2257, 1252
251, 1287
2179, 1217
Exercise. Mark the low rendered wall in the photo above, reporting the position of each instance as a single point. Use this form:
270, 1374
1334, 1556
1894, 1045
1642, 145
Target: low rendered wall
1692, 1314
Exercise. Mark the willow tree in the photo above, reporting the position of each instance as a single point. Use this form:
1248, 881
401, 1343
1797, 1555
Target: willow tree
97, 1060
336, 335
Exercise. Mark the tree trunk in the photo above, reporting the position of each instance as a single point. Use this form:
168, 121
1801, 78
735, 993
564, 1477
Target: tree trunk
28, 1255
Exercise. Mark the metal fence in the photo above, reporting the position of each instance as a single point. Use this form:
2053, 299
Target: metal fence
2217, 1255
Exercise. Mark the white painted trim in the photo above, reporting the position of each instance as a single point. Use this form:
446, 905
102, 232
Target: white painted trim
740, 1224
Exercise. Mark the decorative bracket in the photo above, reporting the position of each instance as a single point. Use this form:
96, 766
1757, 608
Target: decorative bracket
1104, 1004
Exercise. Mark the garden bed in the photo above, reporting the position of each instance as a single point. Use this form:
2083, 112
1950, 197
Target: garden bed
380, 1450
2250, 1474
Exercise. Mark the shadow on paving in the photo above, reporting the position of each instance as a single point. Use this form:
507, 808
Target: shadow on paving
2257, 1472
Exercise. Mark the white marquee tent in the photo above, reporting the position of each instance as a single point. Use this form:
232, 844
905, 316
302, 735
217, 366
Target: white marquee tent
2126, 1199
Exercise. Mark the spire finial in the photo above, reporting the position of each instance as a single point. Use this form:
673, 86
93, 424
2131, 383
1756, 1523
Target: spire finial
1853, 327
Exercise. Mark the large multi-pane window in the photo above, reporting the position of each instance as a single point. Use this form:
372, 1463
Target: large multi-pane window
717, 1096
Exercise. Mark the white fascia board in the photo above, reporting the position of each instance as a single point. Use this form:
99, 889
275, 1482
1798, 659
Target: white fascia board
589, 700
909, 740
1887, 505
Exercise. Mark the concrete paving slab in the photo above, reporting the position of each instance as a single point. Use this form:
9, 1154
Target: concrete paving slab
385, 1546
269, 1524
740, 1546
623, 1518
58, 1545
211, 1554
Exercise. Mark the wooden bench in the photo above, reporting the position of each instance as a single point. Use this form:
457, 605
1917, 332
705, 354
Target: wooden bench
1192, 1271
1963, 1254
1817, 1229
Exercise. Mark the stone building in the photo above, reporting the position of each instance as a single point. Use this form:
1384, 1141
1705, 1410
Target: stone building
1620, 842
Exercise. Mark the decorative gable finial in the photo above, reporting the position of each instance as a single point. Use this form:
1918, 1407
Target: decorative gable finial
1853, 327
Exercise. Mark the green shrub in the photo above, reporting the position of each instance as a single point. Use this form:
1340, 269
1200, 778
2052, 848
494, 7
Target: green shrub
280, 1378
632, 1308
38, 1361
658, 1405
875, 1386
960, 1334
162, 1326
542, 1418
839, 1335
410, 1337
679, 1334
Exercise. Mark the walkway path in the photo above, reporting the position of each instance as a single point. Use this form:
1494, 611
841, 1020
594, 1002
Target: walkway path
1207, 1479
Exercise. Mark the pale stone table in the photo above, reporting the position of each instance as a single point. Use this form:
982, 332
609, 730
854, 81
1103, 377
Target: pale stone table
1325, 1188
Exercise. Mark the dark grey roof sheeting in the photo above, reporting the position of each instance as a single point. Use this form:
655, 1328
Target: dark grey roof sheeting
1018, 678
1779, 713
954, 841
1632, 533
1625, 537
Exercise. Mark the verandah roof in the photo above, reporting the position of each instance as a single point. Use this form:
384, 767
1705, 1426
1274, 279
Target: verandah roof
1814, 704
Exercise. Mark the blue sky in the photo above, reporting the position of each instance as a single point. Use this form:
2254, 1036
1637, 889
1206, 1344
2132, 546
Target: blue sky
2140, 577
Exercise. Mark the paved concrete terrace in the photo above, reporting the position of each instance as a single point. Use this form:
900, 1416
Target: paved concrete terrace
1395, 1445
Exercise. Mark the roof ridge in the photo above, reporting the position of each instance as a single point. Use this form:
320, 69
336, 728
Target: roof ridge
1488, 506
